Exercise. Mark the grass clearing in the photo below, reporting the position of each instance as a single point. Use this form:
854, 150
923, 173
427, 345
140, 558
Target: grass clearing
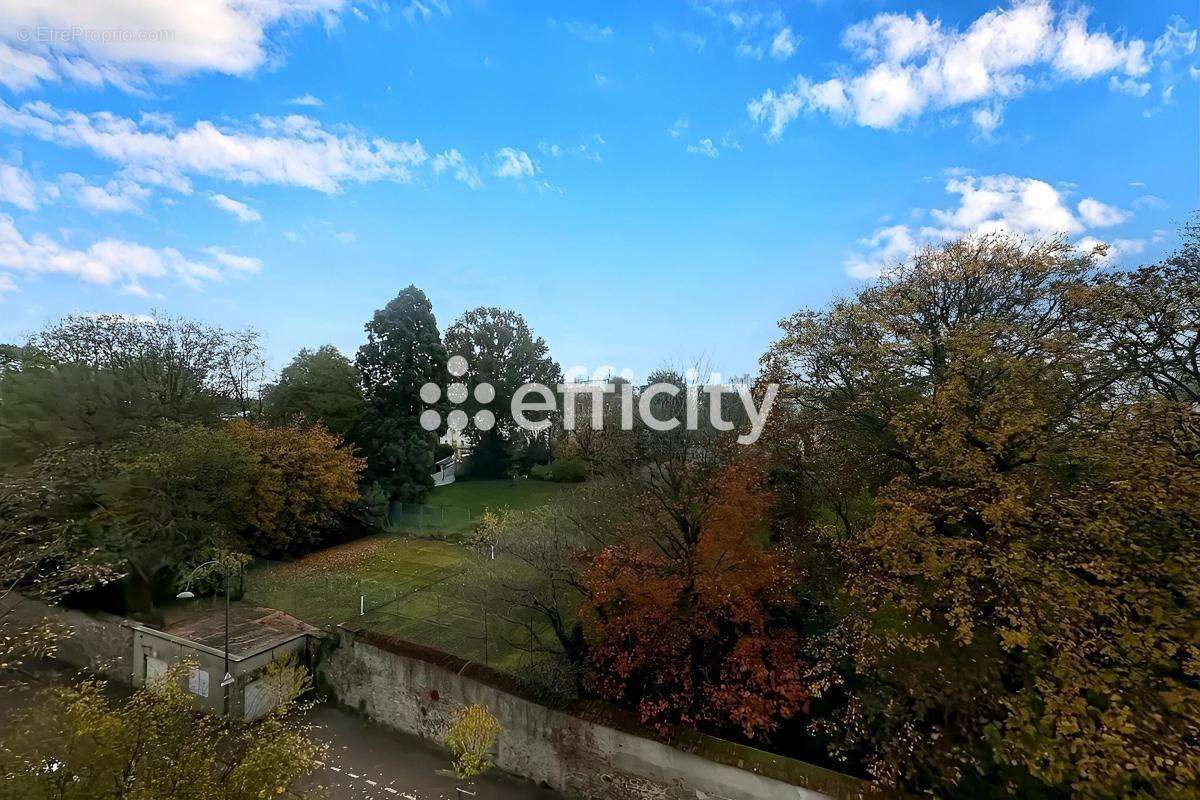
410, 587
451, 512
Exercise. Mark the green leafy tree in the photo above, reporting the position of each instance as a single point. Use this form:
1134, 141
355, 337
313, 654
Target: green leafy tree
318, 385
402, 353
502, 351
1000, 549
80, 745
94, 380
172, 490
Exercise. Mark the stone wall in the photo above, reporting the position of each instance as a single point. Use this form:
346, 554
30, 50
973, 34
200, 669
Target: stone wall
92, 640
587, 751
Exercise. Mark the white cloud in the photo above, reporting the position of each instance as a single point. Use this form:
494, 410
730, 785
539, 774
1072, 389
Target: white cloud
114, 197
913, 65
601, 81
987, 119
240, 263
237, 208
704, 147
678, 127
290, 151
588, 32
105, 262
1098, 215
424, 10
783, 46
20, 70
987, 204
307, 100
345, 237
1130, 86
17, 188
453, 161
513, 163
7, 284
159, 39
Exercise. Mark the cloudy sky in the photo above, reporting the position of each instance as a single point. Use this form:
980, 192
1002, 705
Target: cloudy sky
648, 183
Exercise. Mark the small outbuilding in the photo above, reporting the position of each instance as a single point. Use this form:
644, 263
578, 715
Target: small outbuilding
256, 636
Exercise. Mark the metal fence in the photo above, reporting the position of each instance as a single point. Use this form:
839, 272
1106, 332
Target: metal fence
440, 521
435, 608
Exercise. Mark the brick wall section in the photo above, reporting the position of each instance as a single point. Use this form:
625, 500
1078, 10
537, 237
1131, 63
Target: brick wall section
588, 750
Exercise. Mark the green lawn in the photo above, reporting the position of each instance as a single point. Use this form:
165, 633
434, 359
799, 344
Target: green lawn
452, 511
409, 587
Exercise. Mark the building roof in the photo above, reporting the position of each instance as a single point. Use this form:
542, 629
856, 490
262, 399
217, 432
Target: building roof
252, 629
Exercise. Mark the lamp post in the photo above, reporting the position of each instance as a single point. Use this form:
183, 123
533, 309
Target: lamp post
188, 594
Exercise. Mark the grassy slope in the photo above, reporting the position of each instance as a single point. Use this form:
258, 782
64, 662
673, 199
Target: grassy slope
412, 586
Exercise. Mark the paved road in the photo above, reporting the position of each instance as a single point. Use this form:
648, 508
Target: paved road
365, 761
369, 762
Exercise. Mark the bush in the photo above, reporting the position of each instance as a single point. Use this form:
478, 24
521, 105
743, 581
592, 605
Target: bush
568, 470
540, 471
470, 739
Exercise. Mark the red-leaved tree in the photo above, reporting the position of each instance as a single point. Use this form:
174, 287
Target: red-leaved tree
686, 611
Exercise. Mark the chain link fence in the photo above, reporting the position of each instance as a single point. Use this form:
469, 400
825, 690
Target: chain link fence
433, 606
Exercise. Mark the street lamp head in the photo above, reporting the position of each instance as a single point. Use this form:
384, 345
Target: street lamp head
186, 594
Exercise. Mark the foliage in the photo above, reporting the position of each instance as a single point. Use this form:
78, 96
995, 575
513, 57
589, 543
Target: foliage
319, 386
540, 551
1001, 549
687, 613
490, 459
1152, 316
299, 478
568, 470
79, 745
470, 739
41, 556
402, 353
285, 680
500, 350
173, 490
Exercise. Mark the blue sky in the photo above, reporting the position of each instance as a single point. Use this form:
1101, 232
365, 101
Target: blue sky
647, 183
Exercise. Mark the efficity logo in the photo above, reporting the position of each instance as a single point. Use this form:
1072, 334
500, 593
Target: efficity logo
635, 405
457, 394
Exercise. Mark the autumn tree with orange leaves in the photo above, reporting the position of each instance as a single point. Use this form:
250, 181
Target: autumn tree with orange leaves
686, 611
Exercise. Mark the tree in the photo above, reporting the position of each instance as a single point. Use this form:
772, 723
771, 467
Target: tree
687, 615
540, 552
402, 353
177, 360
92, 381
1152, 315
79, 745
1003, 539
299, 480
171, 491
500, 350
320, 386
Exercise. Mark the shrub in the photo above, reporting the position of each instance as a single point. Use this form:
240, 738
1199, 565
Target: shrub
568, 470
540, 471
470, 739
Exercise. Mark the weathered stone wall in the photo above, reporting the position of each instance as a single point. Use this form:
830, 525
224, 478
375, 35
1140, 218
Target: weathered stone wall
417, 691
92, 640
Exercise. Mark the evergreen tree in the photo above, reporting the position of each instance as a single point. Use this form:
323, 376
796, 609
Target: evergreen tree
403, 352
